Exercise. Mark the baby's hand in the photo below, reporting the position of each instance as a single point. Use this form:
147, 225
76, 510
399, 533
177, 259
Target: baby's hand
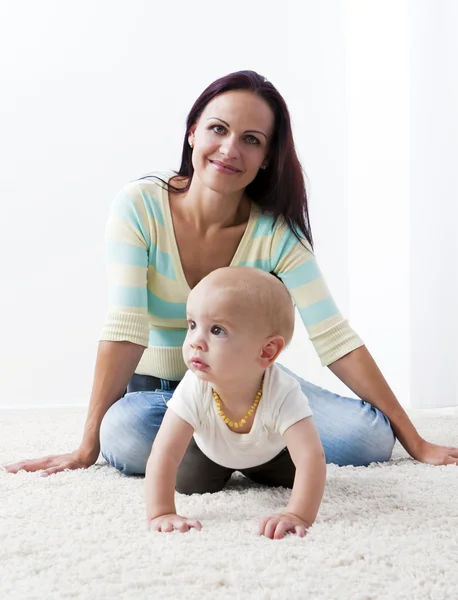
275, 526
168, 523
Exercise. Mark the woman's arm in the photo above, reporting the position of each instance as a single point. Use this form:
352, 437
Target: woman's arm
359, 372
115, 364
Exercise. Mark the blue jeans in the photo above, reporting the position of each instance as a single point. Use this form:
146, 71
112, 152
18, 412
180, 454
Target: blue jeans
352, 432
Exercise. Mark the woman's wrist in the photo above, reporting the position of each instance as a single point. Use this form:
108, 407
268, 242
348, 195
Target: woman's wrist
405, 431
89, 452
413, 445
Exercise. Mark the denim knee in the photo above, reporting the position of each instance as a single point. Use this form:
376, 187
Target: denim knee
353, 432
372, 438
128, 430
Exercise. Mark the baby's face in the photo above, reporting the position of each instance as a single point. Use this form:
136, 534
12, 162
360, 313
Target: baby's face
224, 342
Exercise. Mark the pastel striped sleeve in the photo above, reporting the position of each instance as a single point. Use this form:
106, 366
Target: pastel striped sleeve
127, 243
296, 265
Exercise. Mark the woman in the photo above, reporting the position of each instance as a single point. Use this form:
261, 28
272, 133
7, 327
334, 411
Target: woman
238, 199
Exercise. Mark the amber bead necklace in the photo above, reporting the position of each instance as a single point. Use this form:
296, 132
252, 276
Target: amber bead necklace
243, 420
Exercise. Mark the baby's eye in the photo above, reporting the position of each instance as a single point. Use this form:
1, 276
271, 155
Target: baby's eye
217, 330
191, 324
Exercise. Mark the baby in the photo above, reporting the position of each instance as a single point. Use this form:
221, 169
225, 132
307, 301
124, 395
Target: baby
235, 410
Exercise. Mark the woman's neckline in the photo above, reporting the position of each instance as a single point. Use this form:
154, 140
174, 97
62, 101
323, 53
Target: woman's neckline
176, 255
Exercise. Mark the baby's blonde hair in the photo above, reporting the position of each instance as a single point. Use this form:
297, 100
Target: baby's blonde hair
262, 294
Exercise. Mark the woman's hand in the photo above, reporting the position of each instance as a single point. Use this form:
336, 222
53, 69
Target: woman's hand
173, 522
275, 526
433, 454
79, 459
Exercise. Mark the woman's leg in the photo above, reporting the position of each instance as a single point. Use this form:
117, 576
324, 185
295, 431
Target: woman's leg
129, 427
352, 432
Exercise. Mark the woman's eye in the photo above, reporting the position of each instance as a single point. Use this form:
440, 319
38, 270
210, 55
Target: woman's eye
191, 325
218, 128
251, 139
217, 330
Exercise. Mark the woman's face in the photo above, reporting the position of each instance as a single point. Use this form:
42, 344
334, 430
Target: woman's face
231, 140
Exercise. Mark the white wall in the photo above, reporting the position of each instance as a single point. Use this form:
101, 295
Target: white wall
434, 198
378, 108
402, 103
96, 94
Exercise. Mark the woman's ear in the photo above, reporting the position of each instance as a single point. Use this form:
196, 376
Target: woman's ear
270, 350
191, 135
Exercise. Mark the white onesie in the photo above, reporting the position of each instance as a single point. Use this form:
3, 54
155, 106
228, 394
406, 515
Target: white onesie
282, 404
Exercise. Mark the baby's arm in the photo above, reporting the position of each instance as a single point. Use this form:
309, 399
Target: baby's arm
307, 454
166, 455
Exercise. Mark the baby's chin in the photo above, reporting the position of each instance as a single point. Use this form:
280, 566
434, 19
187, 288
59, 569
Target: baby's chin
206, 375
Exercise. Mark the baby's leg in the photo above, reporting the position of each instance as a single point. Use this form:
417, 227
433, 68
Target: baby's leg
197, 474
277, 472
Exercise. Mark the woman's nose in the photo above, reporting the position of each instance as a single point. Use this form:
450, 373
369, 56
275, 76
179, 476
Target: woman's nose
229, 147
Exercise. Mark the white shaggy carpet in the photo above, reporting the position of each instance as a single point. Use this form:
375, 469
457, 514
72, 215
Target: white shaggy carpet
384, 532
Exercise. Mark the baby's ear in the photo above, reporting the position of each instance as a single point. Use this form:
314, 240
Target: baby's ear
271, 349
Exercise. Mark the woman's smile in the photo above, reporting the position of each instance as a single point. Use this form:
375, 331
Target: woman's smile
222, 167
